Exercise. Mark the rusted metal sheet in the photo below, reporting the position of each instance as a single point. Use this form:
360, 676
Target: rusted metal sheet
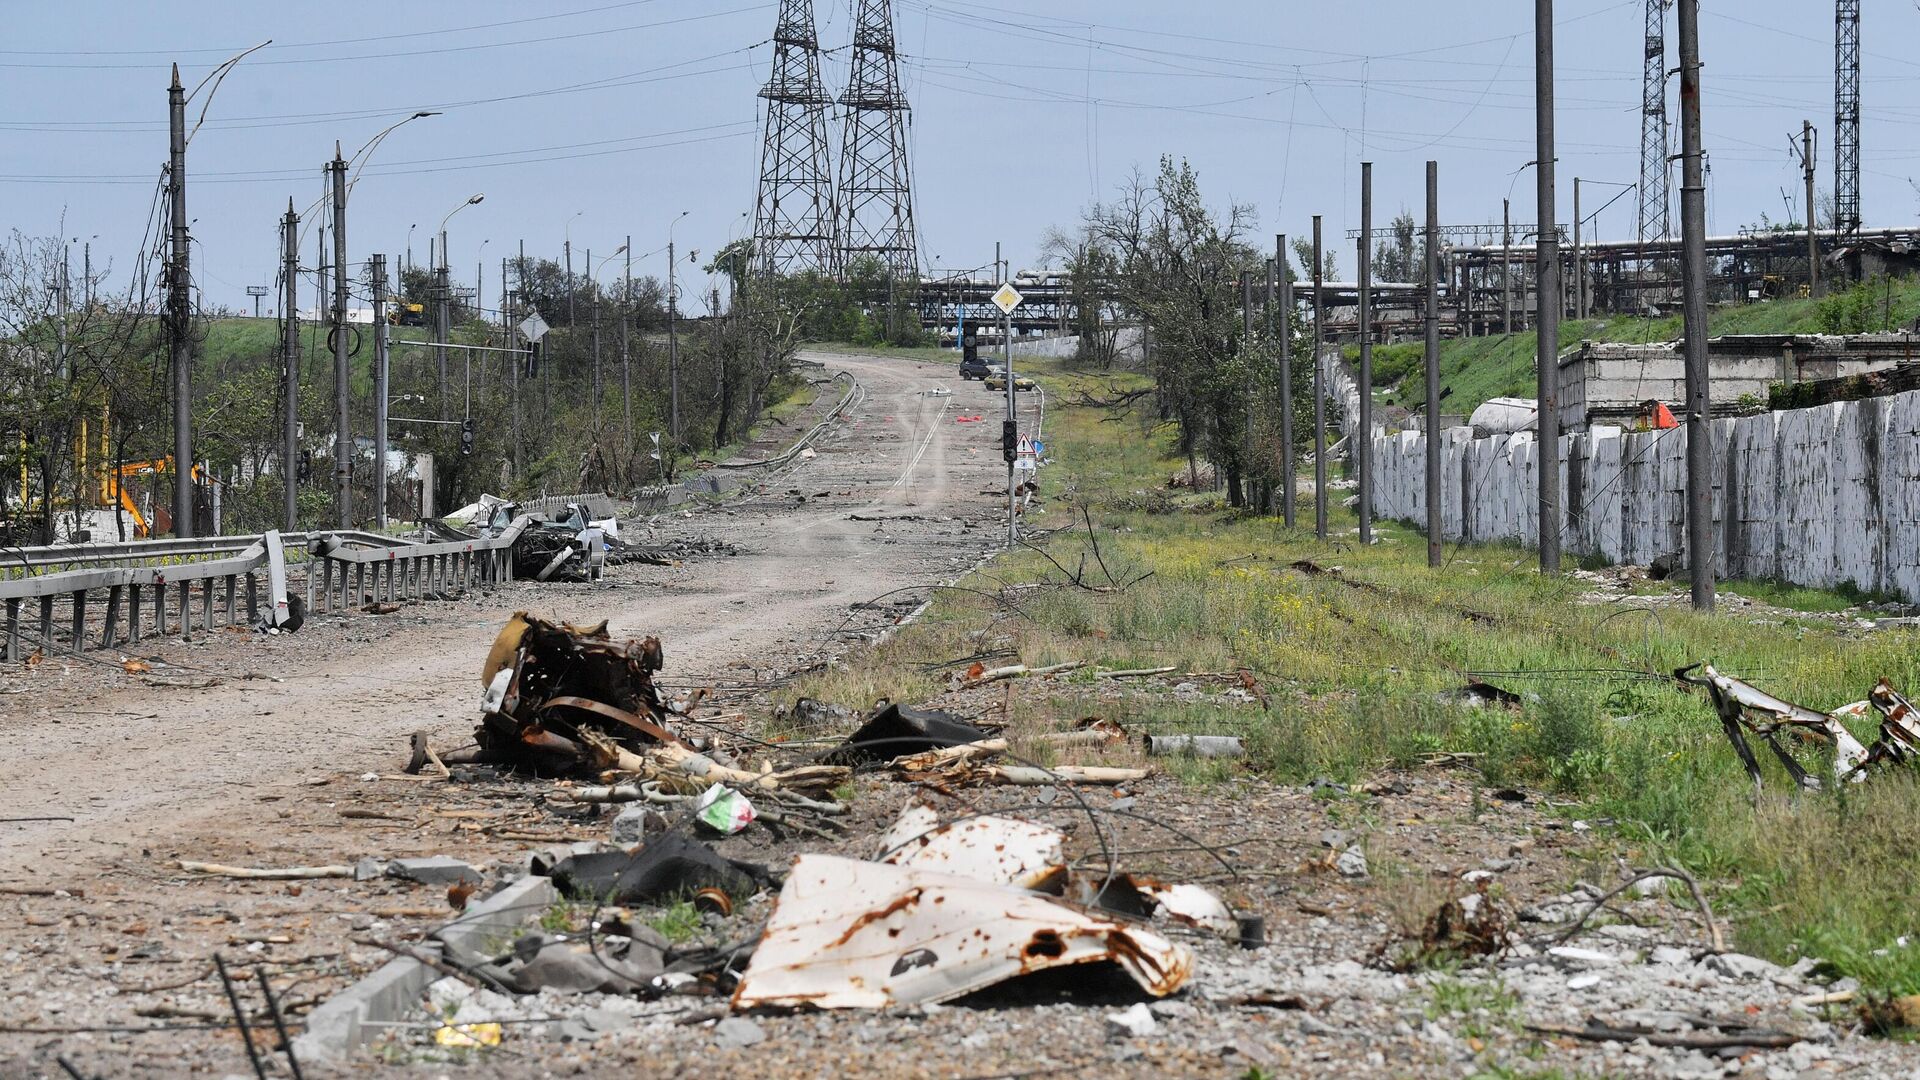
1744, 709
847, 934
1002, 850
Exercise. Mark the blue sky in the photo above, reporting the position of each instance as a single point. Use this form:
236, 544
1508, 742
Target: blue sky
596, 119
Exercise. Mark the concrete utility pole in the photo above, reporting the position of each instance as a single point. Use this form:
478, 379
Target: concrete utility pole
626, 355
1246, 340
1319, 392
380, 391
1579, 272
1813, 233
1693, 267
1362, 440
290, 355
180, 308
508, 309
673, 351
1433, 364
442, 323
1284, 306
1506, 267
1013, 412
342, 423
599, 394
1547, 290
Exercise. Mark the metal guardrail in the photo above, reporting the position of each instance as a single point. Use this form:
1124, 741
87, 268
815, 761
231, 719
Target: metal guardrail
598, 503
16, 561
135, 590
391, 571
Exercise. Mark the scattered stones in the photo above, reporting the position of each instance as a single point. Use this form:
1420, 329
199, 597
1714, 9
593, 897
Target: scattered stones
1740, 967
1573, 958
1352, 863
433, 870
1134, 1022
738, 1032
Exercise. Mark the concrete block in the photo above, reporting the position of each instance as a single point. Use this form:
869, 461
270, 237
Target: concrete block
433, 870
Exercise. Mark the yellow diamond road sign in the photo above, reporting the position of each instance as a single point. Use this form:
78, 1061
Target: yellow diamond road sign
1007, 299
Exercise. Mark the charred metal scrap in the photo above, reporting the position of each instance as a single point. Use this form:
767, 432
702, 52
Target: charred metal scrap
562, 698
1745, 709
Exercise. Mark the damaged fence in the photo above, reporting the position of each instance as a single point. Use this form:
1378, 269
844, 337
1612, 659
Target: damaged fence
1746, 710
136, 599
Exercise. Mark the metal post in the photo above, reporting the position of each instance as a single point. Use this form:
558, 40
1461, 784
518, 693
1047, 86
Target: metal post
1433, 364
1319, 393
1547, 289
380, 391
179, 309
1693, 267
290, 356
1813, 241
342, 422
1284, 329
1362, 440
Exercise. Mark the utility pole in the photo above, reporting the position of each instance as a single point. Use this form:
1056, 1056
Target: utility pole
1813, 233
1506, 267
179, 309
380, 391
442, 324
1433, 364
626, 355
572, 291
1693, 266
1547, 289
1013, 413
1246, 342
1319, 393
1284, 307
599, 392
1579, 273
342, 423
673, 352
290, 354
1362, 440
514, 364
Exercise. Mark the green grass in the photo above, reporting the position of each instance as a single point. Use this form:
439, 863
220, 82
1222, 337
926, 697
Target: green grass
1483, 1006
1475, 369
1357, 667
677, 923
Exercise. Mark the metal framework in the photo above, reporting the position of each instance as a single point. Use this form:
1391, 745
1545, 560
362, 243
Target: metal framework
793, 218
1846, 117
1655, 198
875, 201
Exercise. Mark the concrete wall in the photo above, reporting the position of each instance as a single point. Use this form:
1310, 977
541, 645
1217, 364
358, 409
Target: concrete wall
1816, 496
1063, 347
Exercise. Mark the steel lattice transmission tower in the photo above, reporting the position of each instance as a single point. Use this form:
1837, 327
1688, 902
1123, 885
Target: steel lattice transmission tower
1846, 116
876, 188
793, 218
1654, 176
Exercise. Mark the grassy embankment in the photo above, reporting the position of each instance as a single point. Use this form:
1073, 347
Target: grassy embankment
1475, 369
1357, 667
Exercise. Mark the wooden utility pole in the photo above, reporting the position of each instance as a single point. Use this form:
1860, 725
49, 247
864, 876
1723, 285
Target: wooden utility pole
1433, 364
1547, 294
179, 309
342, 423
1693, 274
290, 355
1319, 392
1361, 441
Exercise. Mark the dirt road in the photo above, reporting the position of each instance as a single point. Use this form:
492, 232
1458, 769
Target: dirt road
141, 762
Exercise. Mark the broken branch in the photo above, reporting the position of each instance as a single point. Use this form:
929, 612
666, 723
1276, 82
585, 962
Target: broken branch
267, 873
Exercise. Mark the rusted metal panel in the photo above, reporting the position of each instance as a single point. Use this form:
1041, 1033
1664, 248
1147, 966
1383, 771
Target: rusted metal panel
1002, 850
847, 934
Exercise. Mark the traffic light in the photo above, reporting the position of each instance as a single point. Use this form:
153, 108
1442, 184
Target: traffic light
305, 474
466, 437
1009, 439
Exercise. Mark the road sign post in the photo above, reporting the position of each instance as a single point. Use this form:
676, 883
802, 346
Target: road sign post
1006, 298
